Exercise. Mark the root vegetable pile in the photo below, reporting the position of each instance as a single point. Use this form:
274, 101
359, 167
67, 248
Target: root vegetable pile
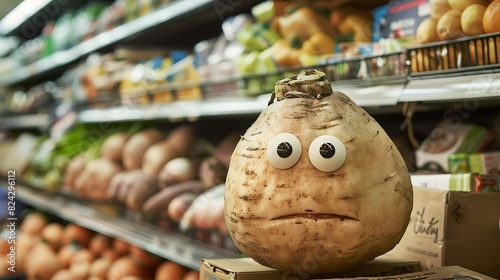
49, 250
316, 185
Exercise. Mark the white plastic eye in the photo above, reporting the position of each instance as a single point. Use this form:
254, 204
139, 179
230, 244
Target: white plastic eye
284, 150
327, 153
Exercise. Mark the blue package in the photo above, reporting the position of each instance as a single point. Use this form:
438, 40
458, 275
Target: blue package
379, 22
399, 19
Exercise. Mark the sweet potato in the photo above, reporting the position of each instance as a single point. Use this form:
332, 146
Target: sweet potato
133, 187
98, 175
179, 205
199, 213
178, 170
112, 147
182, 138
160, 200
225, 148
73, 169
136, 146
212, 172
178, 143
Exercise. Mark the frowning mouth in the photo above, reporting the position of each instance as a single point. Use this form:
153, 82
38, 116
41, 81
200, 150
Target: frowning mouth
318, 216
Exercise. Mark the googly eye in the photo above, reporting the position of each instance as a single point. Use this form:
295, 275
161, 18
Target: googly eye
284, 150
327, 153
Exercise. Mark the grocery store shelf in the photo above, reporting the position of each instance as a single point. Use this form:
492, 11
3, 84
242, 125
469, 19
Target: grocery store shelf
459, 87
169, 14
172, 246
21, 13
373, 96
25, 121
177, 111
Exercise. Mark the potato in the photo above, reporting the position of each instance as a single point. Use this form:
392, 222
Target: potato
427, 31
449, 27
491, 51
448, 58
421, 61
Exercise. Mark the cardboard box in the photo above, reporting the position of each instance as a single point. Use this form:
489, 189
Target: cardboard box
458, 182
453, 228
438, 273
247, 268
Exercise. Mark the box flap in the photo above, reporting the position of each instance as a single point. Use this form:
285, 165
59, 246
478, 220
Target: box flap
438, 273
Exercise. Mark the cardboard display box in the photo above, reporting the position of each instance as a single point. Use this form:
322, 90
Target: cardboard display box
453, 228
438, 273
247, 268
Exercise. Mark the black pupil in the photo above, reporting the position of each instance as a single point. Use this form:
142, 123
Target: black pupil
327, 150
284, 149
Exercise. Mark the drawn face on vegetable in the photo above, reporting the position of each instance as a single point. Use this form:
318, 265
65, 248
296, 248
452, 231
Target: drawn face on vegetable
315, 185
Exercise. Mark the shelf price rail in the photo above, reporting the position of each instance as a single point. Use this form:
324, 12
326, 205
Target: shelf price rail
172, 246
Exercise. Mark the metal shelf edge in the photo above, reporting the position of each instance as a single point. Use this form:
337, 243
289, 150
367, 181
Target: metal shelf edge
184, 251
467, 87
25, 121
64, 57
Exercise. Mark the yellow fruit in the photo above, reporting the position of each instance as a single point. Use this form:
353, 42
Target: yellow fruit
421, 61
491, 17
449, 25
461, 5
482, 54
472, 19
427, 31
448, 58
438, 8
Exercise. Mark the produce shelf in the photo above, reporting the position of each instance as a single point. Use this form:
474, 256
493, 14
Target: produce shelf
459, 87
447, 58
172, 246
166, 17
370, 97
26, 121
21, 14
176, 111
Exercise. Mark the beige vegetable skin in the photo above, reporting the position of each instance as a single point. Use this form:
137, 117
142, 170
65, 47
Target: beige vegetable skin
292, 202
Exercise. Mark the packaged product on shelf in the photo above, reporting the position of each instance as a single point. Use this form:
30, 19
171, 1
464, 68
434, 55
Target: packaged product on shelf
17, 153
468, 182
218, 59
109, 17
264, 12
485, 163
453, 228
448, 138
183, 76
85, 19
400, 19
